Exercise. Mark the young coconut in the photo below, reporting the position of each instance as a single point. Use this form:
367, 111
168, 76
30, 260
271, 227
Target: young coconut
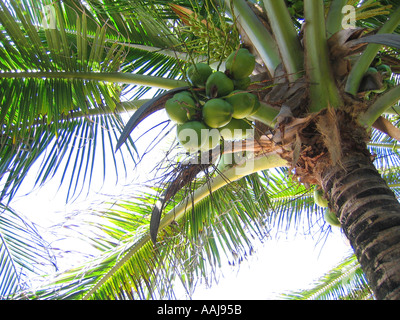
243, 103
198, 74
236, 129
192, 135
330, 217
180, 108
242, 84
217, 112
213, 139
319, 198
218, 85
240, 64
256, 107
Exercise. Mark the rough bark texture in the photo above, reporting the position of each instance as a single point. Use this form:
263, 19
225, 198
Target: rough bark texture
370, 216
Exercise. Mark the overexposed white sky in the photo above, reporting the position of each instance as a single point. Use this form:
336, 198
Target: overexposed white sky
278, 266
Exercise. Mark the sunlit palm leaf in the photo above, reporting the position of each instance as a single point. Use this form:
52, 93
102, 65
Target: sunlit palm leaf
194, 246
23, 253
34, 108
292, 204
191, 249
218, 228
80, 41
344, 282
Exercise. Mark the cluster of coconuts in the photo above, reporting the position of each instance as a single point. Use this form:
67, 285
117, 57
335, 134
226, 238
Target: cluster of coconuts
220, 109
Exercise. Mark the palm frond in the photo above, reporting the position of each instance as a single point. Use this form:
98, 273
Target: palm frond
194, 246
189, 249
344, 282
34, 112
385, 148
292, 204
373, 15
85, 38
23, 253
202, 226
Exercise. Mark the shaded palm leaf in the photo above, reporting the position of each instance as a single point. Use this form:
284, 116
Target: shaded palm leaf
293, 204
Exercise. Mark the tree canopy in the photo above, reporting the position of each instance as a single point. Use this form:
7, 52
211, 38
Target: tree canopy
73, 73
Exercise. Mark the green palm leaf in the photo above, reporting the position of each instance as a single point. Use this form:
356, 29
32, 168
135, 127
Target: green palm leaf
23, 253
205, 222
344, 282
33, 108
189, 249
47, 80
56, 109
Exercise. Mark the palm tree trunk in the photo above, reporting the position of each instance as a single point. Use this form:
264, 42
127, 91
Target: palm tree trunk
370, 217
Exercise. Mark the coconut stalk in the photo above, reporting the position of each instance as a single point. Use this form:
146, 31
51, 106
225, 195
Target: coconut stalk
265, 114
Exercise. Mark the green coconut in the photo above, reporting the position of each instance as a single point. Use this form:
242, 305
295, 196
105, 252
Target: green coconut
243, 103
184, 93
241, 84
236, 129
217, 112
192, 135
330, 217
198, 74
180, 108
213, 139
319, 198
240, 64
256, 107
218, 85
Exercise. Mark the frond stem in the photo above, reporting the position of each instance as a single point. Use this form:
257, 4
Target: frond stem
265, 114
323, 89
381, 104
335, 17
267, 161
115, 77
286, 37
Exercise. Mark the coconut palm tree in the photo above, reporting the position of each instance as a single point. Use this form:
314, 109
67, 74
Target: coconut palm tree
326, 81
